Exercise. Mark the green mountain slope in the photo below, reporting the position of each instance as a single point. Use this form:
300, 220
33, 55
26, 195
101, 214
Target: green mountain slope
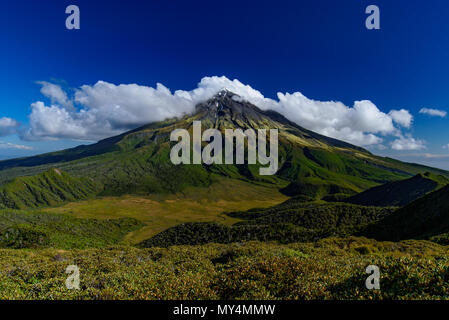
331, 218
45, 189
22, 229
421, 219
291, 221
199, 233
311, 166
400, 193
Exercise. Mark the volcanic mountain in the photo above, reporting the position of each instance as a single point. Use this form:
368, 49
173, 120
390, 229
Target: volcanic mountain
311, 166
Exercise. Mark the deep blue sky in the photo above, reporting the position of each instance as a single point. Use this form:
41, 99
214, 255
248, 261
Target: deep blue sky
318, 47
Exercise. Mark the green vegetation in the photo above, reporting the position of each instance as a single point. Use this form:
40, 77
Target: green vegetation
139, 227
49, 188
160, 212
21, 229
330, 218
317, 173
400, 193
291, 221
427, 217
197, 233
329, 269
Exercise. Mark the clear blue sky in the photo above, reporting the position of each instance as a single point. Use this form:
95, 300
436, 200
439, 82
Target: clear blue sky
320, 48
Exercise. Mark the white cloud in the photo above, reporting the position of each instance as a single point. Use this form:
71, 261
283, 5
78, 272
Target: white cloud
407, 143
433, 112
107, 109
401, 117
8, 145
55, 94
54, 122
446, 146
357, 125
8, 126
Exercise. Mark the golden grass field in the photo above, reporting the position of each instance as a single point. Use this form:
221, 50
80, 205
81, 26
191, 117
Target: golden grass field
160, 212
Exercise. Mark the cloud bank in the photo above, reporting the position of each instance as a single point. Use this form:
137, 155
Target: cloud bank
104, 109
8, 126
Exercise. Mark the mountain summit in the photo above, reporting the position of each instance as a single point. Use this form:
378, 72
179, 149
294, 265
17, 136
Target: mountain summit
227, 110
311, 166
